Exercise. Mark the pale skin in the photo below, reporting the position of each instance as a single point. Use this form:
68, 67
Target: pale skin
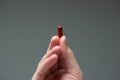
59, 62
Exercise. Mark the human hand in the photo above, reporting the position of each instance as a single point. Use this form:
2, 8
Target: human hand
58, 63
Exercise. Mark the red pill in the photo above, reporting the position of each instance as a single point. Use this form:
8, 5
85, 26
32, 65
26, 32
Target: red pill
60, 31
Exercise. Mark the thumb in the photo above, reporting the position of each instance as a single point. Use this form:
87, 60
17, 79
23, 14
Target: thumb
67, 55
68, 60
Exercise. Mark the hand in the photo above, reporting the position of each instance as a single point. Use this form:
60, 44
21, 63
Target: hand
58, 63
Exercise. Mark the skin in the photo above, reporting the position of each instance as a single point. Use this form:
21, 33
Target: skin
58, 63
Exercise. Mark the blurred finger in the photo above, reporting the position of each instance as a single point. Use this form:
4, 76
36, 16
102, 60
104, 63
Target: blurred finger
55, 50
44, 67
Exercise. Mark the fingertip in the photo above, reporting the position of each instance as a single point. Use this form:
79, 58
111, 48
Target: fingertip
55, 50
53, 42
54, 38
54, 57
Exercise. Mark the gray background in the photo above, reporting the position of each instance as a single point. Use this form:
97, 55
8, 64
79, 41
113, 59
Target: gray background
92, 28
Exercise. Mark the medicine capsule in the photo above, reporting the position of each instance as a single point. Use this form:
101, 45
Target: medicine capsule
60, 31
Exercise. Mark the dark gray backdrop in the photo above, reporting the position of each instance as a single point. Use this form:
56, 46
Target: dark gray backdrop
91, 26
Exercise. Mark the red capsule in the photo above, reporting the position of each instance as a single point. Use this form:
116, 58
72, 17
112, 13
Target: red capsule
60, 31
